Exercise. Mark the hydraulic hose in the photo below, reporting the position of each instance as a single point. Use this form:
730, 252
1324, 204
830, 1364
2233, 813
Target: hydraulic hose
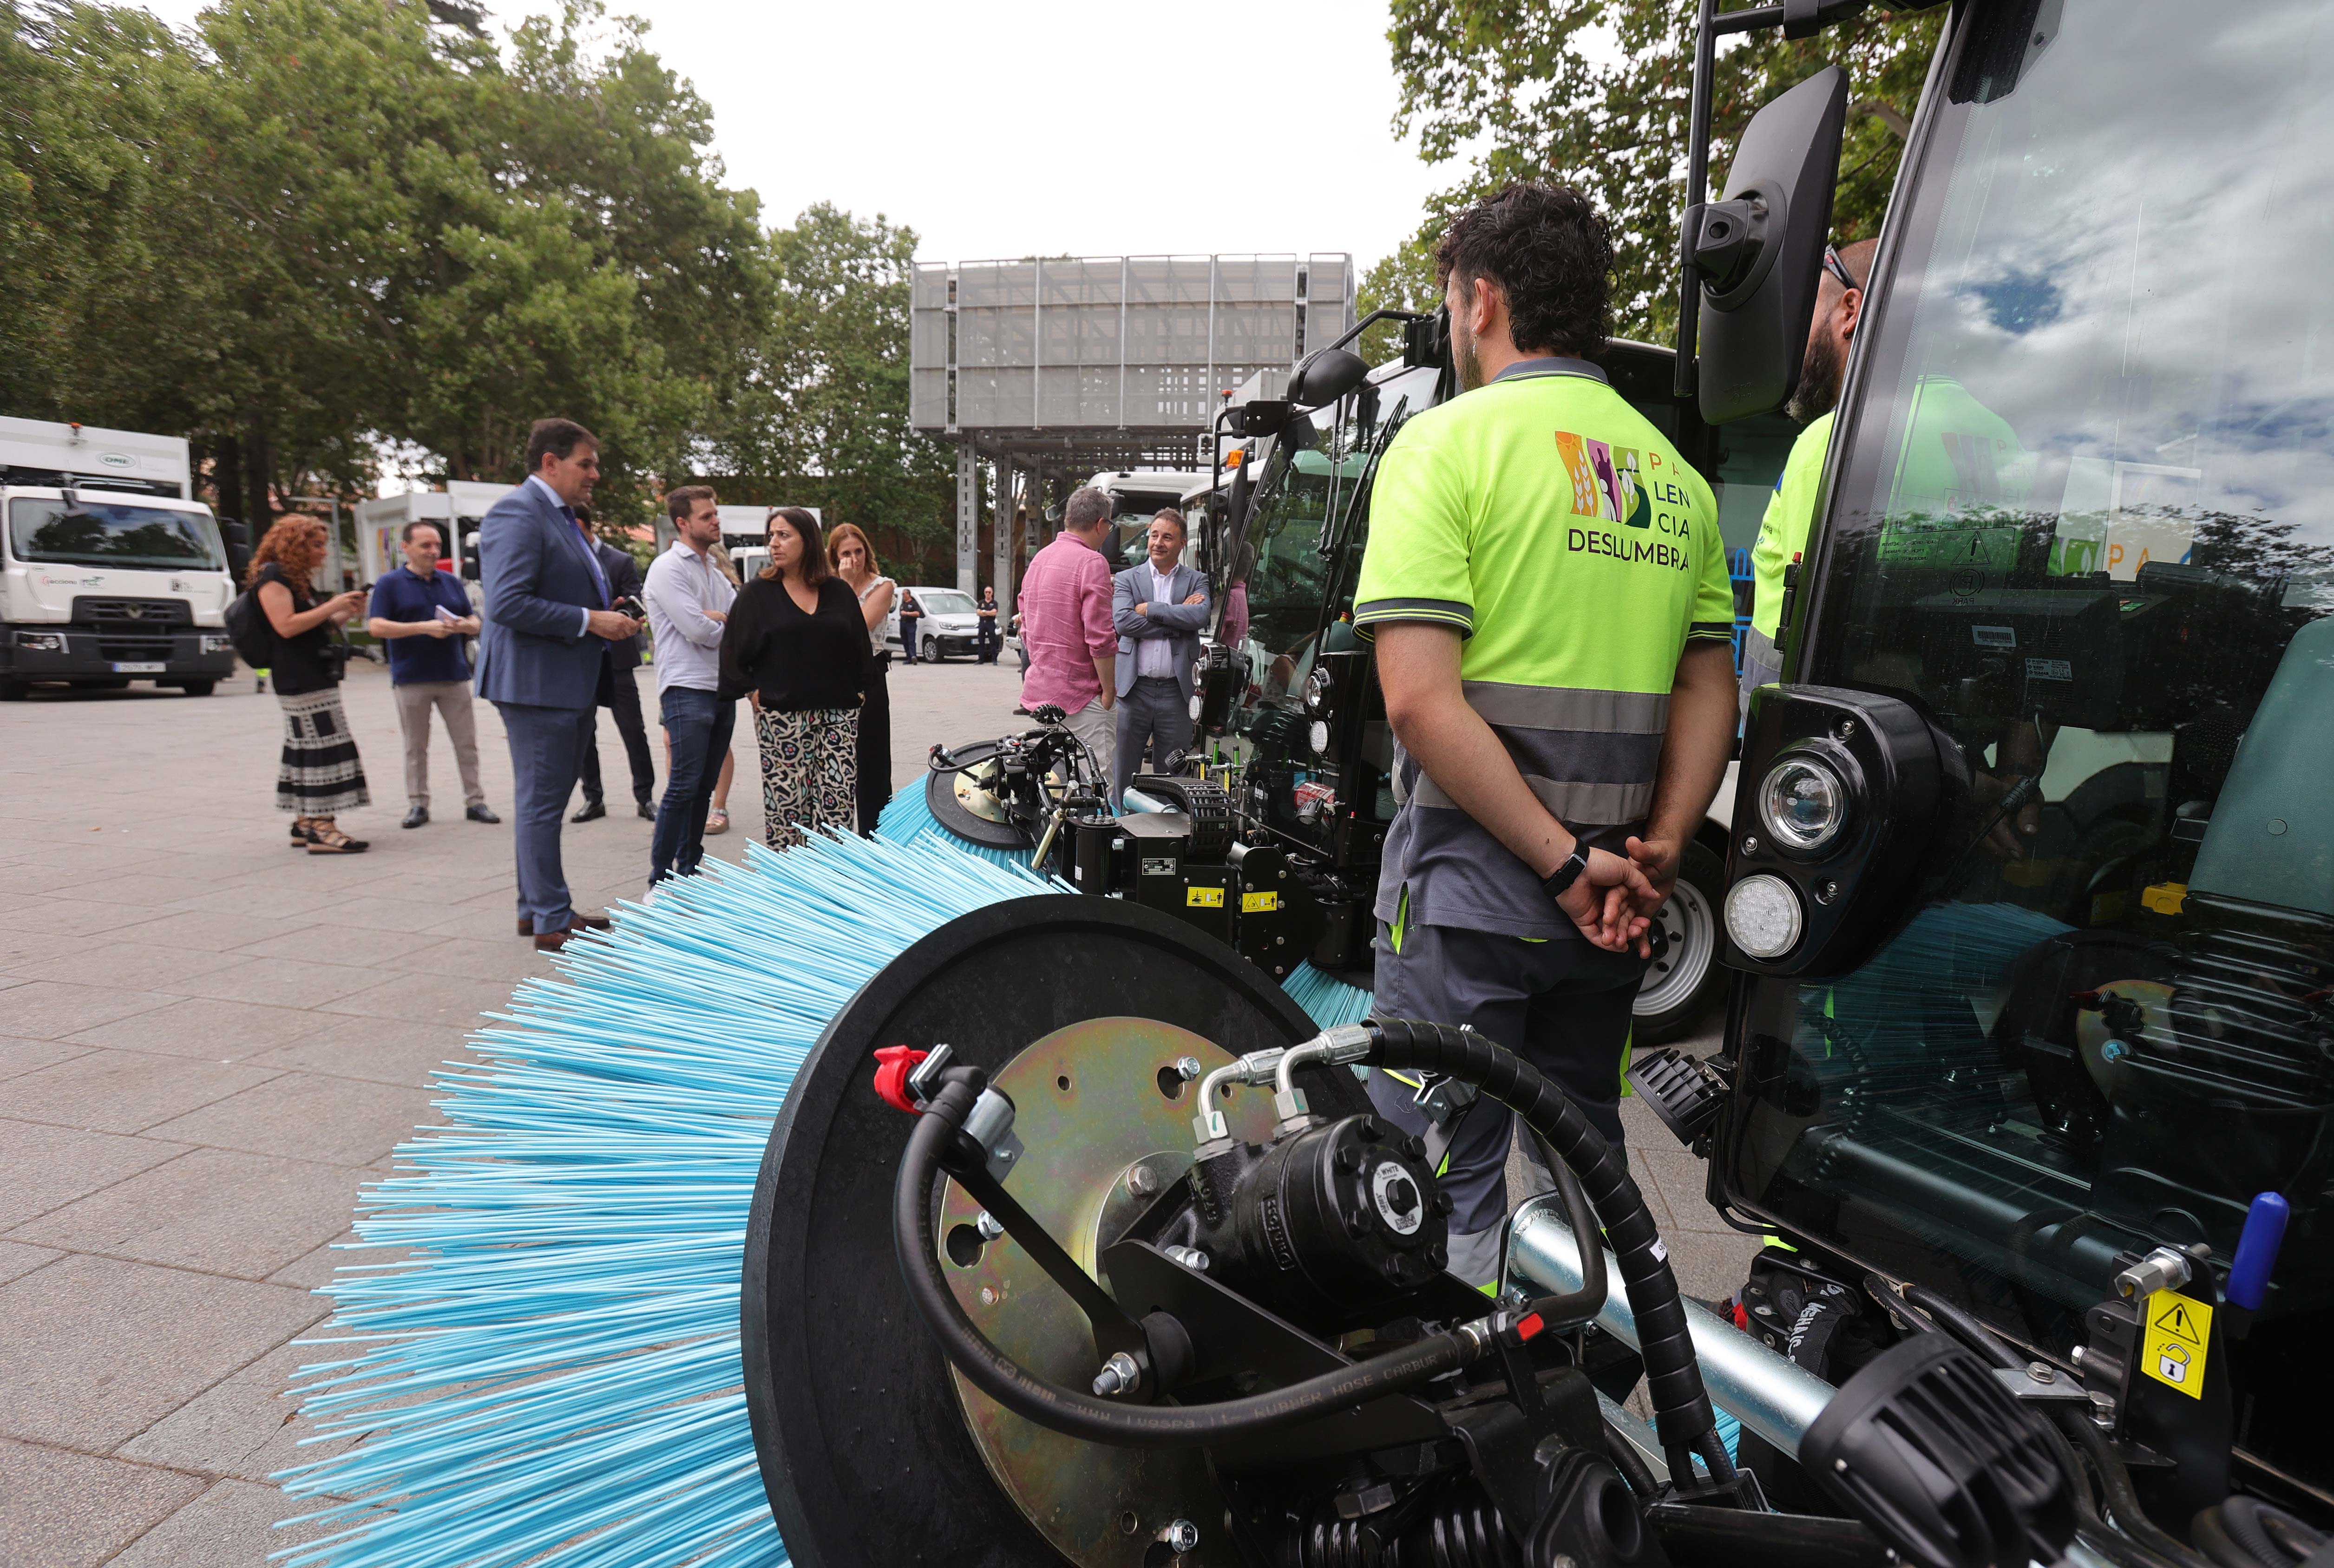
1682, 1418
2123, 1501
1582, 1305
1082, 1415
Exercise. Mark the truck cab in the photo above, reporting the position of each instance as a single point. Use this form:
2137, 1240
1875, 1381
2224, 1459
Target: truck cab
109, 572
2031, 888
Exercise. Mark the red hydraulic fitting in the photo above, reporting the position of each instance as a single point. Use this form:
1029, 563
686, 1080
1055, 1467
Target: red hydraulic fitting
892, 1065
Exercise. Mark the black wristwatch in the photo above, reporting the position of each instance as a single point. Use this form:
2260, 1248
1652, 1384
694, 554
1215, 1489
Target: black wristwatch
1560, 881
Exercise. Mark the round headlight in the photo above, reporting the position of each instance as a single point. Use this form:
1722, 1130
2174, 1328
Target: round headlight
1803, 803
1762, 916
1318, 734
1318, 688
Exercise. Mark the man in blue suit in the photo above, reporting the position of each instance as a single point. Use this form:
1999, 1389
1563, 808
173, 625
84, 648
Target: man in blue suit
1158, 608
543, 656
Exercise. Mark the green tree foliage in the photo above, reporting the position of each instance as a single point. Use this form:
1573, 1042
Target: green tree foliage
821, 402
313, 226
1595, 92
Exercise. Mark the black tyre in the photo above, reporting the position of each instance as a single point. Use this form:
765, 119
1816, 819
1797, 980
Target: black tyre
197, 687
1685, 980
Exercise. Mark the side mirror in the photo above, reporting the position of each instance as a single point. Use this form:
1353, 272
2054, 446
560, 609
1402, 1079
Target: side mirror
1426, 340
1326, 376
1264, 416
237, 540
1760, 250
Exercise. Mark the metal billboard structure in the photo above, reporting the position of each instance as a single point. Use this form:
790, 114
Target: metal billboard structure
1055, 368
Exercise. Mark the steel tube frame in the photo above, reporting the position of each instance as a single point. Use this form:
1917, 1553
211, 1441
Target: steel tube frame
1770, 1395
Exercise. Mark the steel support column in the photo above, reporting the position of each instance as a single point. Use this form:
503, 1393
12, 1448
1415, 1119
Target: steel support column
1001, 555
967, 513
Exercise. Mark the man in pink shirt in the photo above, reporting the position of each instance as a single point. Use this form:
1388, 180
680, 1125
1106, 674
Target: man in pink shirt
1067, 630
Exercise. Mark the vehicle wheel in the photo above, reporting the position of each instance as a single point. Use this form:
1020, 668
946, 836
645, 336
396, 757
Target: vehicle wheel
197, 687
1685, 979
931, 651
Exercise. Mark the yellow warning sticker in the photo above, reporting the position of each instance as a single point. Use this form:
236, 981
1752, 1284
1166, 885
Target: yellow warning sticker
2173, 1351
2164, 898
1203, 899
1258, 903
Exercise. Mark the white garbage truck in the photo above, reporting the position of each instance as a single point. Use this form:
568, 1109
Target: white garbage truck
110, 570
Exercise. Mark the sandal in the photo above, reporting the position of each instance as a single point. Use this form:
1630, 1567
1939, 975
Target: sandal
716, 822
302, 832
327, 839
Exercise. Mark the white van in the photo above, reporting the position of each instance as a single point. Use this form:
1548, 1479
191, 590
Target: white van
951, 623
110, 573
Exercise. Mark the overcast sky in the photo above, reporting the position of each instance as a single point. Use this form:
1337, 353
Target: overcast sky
1014, 127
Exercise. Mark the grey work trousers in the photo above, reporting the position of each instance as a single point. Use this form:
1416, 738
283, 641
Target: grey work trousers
1561, 1004
452, 699
1153, 710
1095, 725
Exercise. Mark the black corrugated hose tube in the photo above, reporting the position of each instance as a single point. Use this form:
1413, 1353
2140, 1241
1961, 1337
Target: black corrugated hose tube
1682, 1418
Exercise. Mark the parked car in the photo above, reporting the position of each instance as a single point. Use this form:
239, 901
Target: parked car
951, 623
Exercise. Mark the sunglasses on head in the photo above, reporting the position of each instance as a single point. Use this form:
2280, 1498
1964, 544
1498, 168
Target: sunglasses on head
1839, 269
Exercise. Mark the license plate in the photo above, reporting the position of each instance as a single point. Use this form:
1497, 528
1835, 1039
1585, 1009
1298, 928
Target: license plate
119, 667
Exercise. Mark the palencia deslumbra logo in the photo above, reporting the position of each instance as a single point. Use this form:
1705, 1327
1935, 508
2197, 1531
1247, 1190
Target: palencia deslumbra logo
1638, 490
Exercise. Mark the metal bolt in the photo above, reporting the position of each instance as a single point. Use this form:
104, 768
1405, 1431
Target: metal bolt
1840, 1465
1749, 843
1826, 892
2077, 1354
2042, 1371
1187, 1068
1181, 1536
1763, 1310
1118, 1374
988, 1226
1847, 727
1142, 1181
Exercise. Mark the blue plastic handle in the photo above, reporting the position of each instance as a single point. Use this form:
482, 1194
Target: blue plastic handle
2257, 1246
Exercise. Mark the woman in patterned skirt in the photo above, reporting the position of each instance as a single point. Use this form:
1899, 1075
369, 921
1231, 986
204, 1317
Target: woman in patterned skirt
795, 645
321, 775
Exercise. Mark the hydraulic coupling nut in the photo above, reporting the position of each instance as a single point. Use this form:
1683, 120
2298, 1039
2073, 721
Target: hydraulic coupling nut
2163, 1269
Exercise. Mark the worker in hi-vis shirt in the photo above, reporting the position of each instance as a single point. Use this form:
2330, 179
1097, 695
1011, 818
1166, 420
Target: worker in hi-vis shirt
1546, 590
1784, 532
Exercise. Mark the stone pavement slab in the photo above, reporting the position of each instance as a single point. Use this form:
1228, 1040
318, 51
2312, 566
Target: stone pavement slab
307, 1116
124, 1091
66, 1510
218, 1211
98, 1349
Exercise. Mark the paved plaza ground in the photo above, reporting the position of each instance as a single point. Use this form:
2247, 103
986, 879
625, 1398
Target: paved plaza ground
208, 1042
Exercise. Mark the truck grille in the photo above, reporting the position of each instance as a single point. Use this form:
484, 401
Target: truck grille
134, 649
131, 614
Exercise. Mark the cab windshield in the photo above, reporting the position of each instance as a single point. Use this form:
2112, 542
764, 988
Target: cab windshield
2083, 517
92, 533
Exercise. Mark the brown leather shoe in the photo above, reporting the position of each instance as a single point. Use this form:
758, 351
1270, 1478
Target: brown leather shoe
525, 926
595, 922
554, 942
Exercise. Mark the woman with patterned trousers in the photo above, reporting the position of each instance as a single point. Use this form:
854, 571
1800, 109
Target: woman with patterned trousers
321, 774
795, 646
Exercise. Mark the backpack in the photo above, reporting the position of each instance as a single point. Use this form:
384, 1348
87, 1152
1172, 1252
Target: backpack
249, 630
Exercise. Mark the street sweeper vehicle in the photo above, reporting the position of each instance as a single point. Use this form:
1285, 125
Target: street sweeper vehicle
881, 1203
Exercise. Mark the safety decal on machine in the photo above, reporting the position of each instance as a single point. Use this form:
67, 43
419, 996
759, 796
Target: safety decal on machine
2173, 1350
1203, 899
1258, 903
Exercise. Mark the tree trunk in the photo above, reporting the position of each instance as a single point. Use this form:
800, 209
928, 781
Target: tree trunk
259, 509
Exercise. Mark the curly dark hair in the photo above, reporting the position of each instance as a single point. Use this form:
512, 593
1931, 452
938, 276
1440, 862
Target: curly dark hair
1550, 252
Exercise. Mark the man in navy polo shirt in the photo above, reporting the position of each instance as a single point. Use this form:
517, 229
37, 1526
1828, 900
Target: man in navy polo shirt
422, 615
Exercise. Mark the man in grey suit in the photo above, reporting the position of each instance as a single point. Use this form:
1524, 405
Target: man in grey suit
543, 656
1158, 608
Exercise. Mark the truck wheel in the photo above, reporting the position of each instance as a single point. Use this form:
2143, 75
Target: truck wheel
1685, 980
197, 687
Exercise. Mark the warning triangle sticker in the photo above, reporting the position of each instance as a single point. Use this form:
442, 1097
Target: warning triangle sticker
2175, 1320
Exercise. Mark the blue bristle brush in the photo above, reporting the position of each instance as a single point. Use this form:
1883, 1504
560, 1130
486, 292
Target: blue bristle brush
551, 1374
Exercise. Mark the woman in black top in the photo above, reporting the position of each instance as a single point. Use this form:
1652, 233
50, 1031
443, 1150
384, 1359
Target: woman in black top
795, 645
321, 774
